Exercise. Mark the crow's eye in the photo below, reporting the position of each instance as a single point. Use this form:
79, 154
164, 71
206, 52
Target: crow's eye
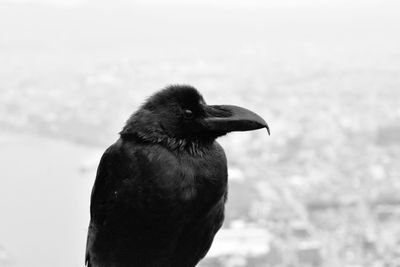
188, 114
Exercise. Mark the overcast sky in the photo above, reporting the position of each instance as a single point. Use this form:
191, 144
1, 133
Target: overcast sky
77, 3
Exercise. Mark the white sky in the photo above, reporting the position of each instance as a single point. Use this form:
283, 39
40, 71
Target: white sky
77, 3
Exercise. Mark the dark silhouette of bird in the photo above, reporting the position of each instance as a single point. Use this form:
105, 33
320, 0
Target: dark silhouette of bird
159, 195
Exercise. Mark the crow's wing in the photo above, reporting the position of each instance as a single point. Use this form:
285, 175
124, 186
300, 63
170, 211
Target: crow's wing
106, 183
132, 187
104, 193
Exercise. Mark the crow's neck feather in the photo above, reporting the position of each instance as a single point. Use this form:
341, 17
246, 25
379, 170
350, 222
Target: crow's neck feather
193, 147
156, 136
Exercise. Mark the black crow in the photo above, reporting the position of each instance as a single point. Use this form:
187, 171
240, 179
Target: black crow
160, 190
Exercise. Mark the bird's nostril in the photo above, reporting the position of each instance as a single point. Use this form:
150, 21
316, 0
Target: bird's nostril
218, 111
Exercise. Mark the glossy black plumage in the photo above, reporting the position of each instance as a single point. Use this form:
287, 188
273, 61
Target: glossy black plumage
159, 195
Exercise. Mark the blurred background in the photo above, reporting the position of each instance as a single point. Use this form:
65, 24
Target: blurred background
322, 190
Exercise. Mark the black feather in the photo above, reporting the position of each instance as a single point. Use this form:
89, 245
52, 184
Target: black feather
160, 190
157, 200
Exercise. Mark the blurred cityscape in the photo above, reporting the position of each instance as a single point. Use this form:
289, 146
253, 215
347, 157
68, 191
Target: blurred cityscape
322, 190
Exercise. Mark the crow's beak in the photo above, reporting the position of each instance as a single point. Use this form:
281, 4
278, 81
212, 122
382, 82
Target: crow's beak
227, 118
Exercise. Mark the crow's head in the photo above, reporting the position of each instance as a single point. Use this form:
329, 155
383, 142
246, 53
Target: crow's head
179, 115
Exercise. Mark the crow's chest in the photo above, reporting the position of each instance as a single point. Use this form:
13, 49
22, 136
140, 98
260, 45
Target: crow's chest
202, 179
186, 178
